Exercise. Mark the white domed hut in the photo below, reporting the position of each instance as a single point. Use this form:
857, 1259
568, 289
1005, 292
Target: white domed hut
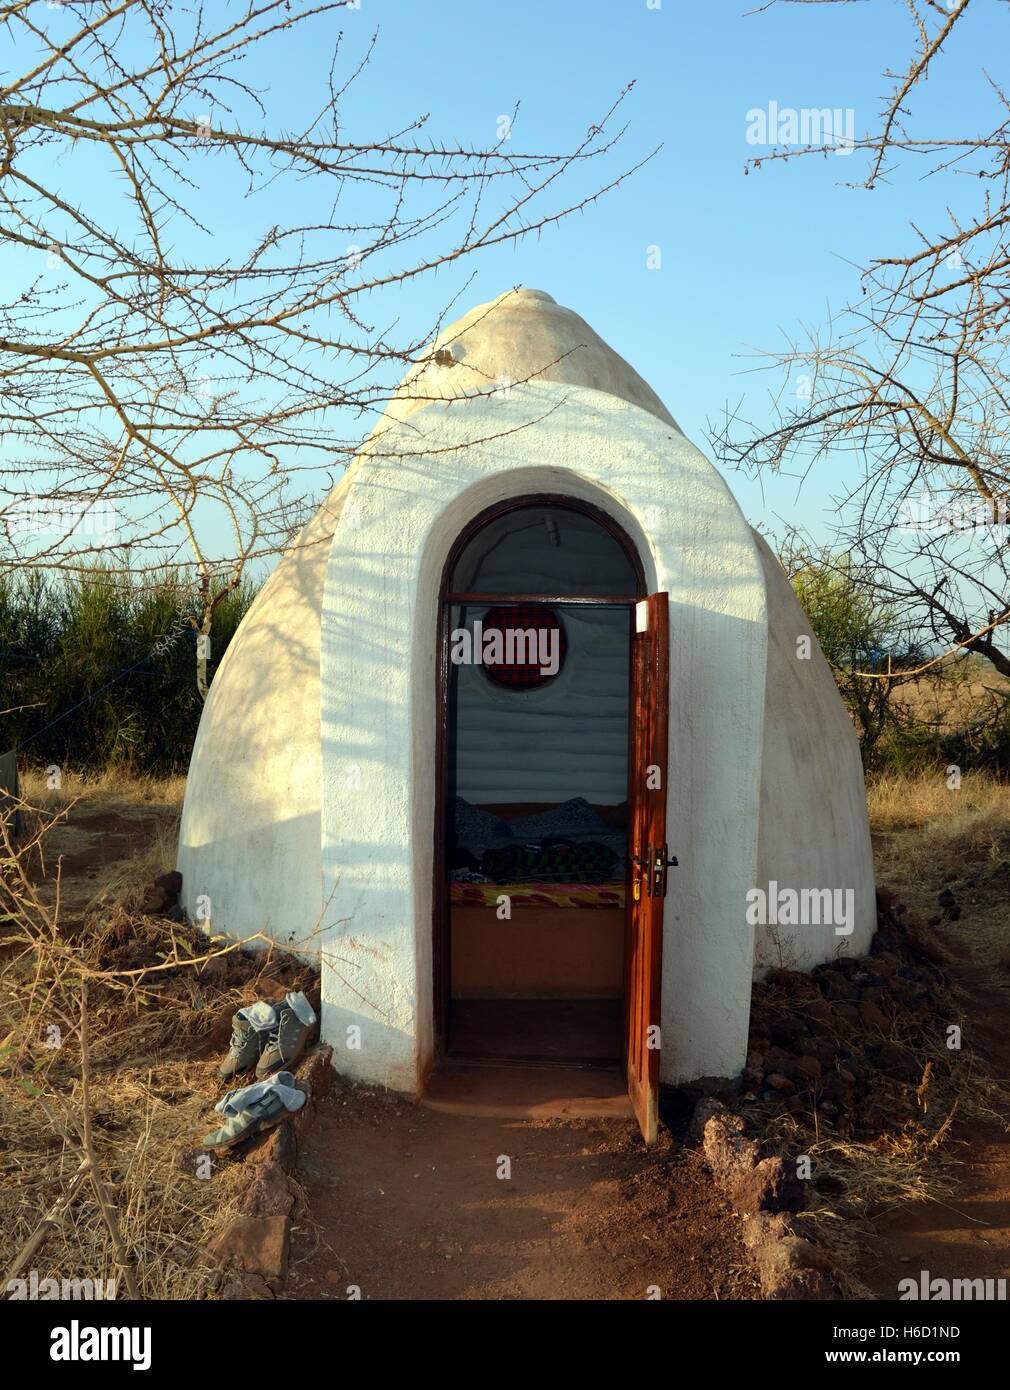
528, 652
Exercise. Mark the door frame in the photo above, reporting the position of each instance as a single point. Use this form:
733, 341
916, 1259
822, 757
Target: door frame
441, 938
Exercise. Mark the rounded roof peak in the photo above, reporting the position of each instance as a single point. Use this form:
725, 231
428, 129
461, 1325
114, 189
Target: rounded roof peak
521, 336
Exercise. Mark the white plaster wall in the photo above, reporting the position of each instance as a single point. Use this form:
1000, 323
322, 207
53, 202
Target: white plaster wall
250, 832
814, 831
448, 463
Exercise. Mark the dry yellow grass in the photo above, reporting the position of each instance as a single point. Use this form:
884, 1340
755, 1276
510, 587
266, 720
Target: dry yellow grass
153, 1095
110, 790
123, 884
153, 1087
928, 836
924, 801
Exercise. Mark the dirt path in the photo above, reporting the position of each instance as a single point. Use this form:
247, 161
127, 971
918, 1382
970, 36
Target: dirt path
406, 1203
967, 1235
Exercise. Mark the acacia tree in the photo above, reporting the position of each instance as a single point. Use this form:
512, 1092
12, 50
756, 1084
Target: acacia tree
911, 384
155, 374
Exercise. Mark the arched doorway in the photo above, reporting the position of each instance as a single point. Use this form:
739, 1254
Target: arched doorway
548, 877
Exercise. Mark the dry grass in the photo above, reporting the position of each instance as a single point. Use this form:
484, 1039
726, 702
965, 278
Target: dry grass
158, 1021
928, 837
113, 789
924, 801
155, 1082
153, 1091
955, 694
123, 884
914, 1160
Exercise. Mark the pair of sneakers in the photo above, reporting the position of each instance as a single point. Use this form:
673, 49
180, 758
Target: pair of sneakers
269, 1037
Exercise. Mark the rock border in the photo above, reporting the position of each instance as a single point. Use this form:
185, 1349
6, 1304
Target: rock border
252, 1250
763, 1191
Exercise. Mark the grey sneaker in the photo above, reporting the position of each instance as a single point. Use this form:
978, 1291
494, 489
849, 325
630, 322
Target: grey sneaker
261, 1114
246, 1045
289, 1036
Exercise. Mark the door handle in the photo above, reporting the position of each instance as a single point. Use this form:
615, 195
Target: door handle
654, 866
645, 865
659, 876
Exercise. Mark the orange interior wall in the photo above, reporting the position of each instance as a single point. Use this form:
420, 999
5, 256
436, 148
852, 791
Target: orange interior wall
567, 951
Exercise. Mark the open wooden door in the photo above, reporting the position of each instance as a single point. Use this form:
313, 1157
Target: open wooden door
648, 858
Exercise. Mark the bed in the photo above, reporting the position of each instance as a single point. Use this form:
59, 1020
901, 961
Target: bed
560, 939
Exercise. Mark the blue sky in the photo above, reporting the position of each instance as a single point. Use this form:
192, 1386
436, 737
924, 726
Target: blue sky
745, 258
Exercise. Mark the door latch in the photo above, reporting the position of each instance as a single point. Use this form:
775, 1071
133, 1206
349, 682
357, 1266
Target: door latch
653, 868
660, 864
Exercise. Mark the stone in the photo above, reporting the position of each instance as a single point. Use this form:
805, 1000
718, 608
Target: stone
780, 1083
885, 963
835, 1091
897, 1061
808, 1068
254, 1245
849, 1013
764, 1226
239, 1287
162, 894
767, 1186
706, 1108
777, 1059
728, 1153
818, 1010
792, 1269
269, 1193
871, 1017
789, 1032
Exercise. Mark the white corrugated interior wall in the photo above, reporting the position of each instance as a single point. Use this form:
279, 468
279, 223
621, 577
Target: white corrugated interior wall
569, 737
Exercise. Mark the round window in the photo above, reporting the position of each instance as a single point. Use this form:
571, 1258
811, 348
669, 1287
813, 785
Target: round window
524, 645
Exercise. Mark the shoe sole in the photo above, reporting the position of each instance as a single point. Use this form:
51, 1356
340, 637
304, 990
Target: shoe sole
249, 1133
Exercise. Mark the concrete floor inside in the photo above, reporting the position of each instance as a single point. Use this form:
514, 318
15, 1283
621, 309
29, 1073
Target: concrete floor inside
532, 1058
581, 1032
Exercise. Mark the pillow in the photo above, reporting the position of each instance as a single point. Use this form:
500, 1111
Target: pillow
575, 817
472, 826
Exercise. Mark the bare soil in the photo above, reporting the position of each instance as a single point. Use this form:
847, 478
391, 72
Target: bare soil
404, 1202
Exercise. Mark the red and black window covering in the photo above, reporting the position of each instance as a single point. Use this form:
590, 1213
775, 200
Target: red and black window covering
523, 675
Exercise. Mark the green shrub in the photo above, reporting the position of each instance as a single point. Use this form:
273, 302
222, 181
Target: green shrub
99, 669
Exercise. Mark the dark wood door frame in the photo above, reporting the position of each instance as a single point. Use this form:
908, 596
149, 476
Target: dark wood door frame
441, 958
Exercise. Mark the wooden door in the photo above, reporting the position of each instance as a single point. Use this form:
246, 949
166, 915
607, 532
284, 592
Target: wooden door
648, 857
